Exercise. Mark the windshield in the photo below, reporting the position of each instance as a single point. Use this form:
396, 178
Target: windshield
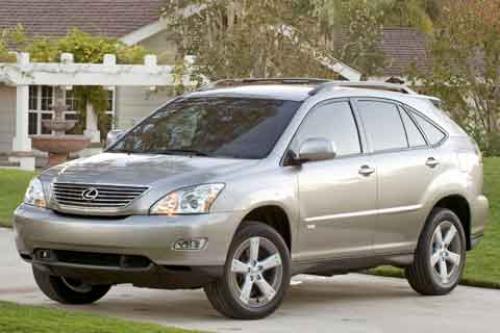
225, 127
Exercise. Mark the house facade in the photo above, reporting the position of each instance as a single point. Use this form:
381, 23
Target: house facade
26, 102
133, 22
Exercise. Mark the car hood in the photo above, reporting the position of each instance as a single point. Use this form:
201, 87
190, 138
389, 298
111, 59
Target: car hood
143, 169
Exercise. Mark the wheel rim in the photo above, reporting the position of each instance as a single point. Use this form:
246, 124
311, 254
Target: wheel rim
446, 253
256, 272
76, 285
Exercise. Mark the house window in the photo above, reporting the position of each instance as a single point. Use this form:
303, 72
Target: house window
110, 112
72, 111
41, 99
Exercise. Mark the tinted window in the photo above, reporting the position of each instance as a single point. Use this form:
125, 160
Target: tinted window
415, 137
433, 134
332, 121
231, 127
383, 125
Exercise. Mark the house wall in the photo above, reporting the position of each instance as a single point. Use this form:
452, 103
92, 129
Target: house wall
135, 103
7, 117
161, 44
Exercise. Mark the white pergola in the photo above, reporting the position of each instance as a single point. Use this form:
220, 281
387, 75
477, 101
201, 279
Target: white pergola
66, 73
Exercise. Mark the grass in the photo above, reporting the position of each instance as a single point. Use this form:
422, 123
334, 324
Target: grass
482, 268
34, 319
13, 184
483, 263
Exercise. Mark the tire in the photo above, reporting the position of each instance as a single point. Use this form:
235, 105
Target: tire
439, 262
68, 291
243, 290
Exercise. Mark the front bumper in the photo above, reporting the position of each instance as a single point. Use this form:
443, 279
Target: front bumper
140, 235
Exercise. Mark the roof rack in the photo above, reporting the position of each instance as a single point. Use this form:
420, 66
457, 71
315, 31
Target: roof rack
254, 81
401, 88
320, 84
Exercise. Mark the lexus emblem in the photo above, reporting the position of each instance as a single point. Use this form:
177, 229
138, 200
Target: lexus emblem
90, 194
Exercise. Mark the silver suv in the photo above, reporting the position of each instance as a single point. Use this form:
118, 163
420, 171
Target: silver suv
239, 186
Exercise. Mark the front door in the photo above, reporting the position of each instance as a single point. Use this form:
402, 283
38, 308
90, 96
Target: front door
337, 197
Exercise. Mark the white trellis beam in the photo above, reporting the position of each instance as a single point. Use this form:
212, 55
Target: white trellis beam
67, 73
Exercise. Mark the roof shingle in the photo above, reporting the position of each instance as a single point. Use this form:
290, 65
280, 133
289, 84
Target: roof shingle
54, 18
403, 47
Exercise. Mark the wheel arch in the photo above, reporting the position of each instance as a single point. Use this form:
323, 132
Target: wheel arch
274, 216
458, 204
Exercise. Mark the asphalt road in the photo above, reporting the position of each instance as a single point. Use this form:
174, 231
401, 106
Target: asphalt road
350, 303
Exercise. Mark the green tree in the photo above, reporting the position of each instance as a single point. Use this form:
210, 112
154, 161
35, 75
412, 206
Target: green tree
266, 38
465, 69
410, 13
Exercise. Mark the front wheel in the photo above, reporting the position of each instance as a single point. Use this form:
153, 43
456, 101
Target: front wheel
66, 290
256, 274
440, 256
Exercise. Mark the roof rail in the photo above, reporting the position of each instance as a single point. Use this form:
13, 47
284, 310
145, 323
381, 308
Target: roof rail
254, 81
364, 85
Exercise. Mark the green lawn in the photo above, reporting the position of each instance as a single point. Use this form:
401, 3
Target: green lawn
13, 184
483, 264
33, 319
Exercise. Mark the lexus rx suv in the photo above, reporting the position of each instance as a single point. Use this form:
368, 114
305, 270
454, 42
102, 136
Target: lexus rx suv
239, 186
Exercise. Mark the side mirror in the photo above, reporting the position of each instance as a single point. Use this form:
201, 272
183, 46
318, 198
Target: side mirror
316, 149
113, 136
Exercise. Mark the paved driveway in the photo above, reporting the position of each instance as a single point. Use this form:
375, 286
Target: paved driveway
350, 303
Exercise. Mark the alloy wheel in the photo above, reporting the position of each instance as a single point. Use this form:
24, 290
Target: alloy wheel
256, 272
446, 249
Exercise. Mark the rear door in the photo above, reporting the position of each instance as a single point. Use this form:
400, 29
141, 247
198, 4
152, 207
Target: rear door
405, 168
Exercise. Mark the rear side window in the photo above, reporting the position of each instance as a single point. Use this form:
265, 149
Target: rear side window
383, 125
434, 135
333, 121
415, 137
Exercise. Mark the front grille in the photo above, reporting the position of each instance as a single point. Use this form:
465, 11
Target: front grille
95, 195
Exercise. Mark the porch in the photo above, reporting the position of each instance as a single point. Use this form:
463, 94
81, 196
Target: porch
27, 98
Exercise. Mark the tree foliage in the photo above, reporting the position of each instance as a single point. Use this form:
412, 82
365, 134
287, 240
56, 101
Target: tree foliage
268, 38
465, 68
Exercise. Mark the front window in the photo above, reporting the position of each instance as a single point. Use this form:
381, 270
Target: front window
223, 127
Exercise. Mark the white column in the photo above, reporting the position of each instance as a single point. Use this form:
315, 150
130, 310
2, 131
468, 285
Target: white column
22, 142
91, 129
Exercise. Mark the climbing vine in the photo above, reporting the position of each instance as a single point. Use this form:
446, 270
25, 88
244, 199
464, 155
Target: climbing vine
85, 49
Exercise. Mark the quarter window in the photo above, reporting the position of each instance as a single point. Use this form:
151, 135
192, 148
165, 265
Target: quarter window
333, 121
433, 134
383, 125
415, 137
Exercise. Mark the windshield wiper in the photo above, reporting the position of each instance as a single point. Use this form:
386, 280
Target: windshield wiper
183, 151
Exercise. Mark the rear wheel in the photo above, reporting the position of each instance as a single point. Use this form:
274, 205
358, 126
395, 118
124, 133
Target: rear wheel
440, 256
256, 274
67, 290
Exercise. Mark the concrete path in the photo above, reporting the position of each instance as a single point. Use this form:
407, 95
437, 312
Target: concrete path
350, 303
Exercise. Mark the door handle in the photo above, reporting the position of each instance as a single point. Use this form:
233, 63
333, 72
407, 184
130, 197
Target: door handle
366, 170
432, 162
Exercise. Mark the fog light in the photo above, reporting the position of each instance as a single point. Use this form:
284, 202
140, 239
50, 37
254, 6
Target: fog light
195, 244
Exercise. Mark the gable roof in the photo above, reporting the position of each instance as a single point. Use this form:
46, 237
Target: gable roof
402, 48
54, 18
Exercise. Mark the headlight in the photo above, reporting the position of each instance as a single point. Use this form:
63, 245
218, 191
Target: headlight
34, 194
189, 200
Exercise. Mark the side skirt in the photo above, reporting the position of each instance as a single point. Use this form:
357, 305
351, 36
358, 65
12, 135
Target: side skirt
329, 267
